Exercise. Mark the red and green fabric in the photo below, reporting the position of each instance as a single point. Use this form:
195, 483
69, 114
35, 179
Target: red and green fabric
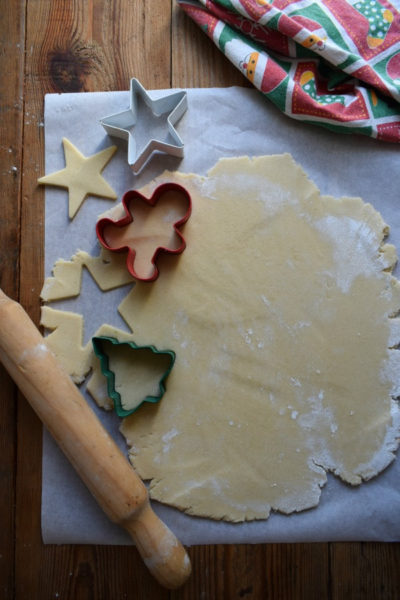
334, 63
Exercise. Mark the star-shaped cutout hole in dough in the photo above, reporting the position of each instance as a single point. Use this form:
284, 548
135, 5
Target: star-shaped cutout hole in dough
148, 124
82, 176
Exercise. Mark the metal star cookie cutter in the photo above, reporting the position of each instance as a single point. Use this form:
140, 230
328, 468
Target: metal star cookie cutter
148, 125
115, 396
116, 240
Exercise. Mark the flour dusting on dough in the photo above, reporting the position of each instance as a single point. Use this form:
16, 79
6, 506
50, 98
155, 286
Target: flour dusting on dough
167, 437
357, 252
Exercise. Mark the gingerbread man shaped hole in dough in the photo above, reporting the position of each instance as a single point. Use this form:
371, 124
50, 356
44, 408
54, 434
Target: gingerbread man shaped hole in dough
150, 226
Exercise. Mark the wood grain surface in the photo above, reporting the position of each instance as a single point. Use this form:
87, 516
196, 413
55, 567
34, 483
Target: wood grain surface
97, 45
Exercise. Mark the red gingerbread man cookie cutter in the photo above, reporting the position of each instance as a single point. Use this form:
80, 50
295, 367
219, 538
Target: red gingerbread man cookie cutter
114, 236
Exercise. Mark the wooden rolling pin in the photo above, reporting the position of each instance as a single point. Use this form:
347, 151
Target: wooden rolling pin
93, 453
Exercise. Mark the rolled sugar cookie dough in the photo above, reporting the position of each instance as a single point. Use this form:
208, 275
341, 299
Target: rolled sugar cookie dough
281, 313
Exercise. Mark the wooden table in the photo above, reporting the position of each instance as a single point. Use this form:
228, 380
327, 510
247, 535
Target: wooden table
93, 45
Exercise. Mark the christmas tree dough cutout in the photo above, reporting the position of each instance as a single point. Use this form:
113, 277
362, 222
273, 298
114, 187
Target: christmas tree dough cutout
135, 374
82, 176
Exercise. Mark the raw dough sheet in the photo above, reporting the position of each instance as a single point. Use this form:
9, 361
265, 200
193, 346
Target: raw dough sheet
338, 165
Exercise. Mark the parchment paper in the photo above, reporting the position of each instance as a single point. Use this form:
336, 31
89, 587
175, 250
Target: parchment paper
219, 123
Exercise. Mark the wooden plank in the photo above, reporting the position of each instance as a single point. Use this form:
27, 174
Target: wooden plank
73, 46
99, 46
245, 572
365, 570
298, 571
208, 576
252, 572
12, 34
94, 572
196, 61
7, 484
28, 486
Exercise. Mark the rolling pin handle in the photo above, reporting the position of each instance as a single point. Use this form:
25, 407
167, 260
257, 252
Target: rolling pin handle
162, 553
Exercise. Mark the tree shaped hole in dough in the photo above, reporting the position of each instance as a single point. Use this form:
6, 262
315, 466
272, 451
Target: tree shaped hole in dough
281, 315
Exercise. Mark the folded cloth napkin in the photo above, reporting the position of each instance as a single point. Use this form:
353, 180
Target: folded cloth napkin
334, 63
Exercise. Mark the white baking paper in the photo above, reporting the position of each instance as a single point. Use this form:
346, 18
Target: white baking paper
219, 123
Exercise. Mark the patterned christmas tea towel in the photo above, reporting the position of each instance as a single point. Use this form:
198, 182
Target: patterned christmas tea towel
334, 63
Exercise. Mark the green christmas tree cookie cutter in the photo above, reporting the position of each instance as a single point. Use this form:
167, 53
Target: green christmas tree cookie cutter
110, 376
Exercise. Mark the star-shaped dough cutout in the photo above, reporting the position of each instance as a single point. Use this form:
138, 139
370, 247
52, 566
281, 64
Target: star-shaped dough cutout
82, 176
148, 125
